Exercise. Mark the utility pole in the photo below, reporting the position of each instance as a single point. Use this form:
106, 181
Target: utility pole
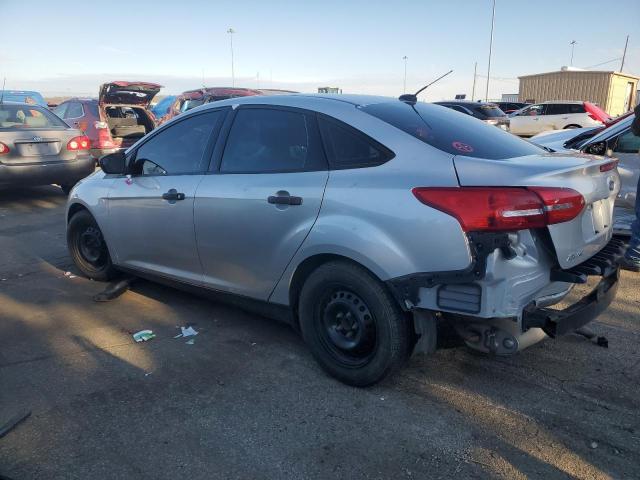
493, 19
625, 53
231, 31
475, 74
573, 44
404, 88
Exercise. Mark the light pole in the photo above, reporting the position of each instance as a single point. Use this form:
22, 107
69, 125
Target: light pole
404, 87
231, 31
573, 44
493, 17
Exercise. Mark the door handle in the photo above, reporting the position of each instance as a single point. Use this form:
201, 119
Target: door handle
173, 195
284, 200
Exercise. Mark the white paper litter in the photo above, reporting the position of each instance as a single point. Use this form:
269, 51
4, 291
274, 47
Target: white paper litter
188, 331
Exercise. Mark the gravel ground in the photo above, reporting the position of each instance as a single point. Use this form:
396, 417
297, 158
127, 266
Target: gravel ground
246, 400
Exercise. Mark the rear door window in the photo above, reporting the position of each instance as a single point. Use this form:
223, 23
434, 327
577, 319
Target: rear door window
347, 147
557, 109
269, 140
180, 148
452, 133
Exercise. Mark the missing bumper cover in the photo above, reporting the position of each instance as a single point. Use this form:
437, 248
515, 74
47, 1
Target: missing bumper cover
482, 244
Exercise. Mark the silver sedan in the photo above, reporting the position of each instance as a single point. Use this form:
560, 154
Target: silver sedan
362, 221
37, 148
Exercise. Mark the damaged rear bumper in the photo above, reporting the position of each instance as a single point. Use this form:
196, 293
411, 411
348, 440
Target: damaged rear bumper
560, 322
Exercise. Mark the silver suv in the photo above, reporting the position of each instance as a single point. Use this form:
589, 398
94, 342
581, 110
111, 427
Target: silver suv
362, 221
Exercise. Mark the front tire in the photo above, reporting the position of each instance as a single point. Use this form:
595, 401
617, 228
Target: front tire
88, 248
352, 325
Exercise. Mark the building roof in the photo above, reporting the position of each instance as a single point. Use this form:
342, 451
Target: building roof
556, 72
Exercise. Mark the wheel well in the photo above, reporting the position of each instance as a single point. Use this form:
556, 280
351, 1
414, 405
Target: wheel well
75, 208
305, 269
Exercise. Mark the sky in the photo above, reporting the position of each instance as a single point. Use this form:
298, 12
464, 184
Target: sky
63, 48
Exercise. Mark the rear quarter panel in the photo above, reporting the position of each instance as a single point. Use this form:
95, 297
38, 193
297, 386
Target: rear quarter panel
371, 216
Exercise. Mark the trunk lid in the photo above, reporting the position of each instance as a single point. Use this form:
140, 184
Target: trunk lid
576, 240
128, 93
27, 147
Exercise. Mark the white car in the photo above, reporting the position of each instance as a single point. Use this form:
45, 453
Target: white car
545, 116
618, 141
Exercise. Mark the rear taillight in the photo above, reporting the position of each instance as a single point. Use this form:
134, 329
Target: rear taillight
607, 167
79, 143
503, 208
104, 139
4, 149
560, 204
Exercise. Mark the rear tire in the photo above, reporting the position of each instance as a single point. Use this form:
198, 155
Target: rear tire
88, 249
352, 325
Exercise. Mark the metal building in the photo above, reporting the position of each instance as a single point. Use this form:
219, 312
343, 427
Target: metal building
614, 92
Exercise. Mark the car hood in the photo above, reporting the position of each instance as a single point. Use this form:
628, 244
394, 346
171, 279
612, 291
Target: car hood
128, 93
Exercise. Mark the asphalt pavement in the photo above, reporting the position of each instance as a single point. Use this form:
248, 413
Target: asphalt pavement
246, 400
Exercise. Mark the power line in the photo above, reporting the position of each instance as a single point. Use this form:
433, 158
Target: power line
603, 63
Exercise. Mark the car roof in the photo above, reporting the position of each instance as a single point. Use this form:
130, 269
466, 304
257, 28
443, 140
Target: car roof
80, 99
302, 99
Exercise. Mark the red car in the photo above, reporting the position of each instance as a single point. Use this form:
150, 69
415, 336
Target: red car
116, 120
194, 98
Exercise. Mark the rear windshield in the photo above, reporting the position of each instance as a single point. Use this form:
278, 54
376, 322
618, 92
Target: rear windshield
489, 110
28, 116
452, 132
189, 104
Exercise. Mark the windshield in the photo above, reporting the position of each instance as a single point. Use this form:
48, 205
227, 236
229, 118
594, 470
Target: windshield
451, 131
28, 116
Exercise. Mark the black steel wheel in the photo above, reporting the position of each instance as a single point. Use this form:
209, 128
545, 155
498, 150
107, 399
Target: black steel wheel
353, 326
87, 247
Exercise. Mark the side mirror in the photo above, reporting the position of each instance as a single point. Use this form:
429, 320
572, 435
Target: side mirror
113, 163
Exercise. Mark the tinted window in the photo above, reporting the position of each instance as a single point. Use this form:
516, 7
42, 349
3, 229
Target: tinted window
576, 108
557, 109
179, 148
452, 133
270, 140
348, 148
60, 109
488, 111
74, 110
